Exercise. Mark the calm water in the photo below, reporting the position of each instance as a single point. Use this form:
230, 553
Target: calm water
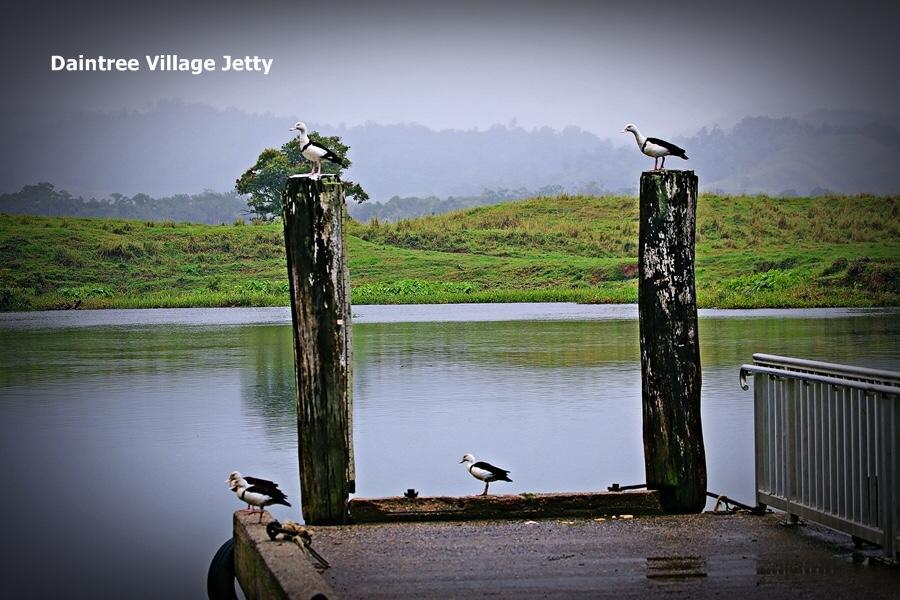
119, 427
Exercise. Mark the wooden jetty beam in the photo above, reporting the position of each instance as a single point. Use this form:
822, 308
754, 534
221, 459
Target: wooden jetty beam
273, 569
314, 211
524, 506
674, 457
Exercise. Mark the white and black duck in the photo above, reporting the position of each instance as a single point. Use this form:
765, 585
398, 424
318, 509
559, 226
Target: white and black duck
655, 147
256, 492
486, 472
313, 152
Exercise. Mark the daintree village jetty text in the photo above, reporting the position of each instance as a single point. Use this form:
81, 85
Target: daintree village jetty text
162, 62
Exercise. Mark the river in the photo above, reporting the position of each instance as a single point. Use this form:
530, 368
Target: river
120, 427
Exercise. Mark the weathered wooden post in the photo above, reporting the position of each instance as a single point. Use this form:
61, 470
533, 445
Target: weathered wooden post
320, 306
674, 458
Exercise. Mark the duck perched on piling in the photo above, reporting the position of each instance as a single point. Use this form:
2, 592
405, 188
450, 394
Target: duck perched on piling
655, 147
486, 472
313, 152
256, 492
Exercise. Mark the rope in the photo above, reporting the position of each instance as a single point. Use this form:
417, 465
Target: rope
723, 500
733, 506
301, 536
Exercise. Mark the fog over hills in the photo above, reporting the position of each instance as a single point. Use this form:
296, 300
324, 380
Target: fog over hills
174, 147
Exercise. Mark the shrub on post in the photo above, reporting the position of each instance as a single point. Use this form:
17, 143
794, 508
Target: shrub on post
320, 309
674, 457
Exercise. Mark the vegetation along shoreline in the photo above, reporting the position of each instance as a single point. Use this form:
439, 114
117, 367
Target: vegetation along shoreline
752, 252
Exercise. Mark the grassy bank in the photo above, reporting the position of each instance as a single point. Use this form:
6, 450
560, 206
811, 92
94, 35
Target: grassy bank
751, 252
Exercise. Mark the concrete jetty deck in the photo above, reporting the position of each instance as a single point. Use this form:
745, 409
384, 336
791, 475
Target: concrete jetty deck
688, 556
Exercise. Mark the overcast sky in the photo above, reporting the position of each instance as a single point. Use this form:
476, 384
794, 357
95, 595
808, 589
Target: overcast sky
669, 66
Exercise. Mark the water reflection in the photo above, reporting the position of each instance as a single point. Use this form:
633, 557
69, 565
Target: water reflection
267, 382
123, 435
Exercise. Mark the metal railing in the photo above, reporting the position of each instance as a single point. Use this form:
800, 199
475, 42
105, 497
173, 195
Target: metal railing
827, 444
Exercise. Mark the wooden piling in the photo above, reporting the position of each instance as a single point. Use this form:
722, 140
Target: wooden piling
674, 456
314, 212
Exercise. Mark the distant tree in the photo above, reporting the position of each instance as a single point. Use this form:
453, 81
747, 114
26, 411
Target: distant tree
265, 180
45, 199
550, 190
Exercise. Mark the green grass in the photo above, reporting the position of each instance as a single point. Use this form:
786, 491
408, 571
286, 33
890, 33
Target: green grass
751, 252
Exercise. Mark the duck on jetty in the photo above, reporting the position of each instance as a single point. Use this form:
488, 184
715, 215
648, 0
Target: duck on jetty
256, 492
655, 147
486, 472
314, 152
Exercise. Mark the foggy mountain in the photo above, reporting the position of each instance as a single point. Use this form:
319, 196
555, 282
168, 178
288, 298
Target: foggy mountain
174, 148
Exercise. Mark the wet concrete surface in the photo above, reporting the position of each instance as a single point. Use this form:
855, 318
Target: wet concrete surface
694, 556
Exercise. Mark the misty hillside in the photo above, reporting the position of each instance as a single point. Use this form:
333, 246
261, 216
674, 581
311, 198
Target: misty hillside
175, 148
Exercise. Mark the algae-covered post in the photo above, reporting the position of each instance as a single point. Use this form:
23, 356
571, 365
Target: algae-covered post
314, 212
674, 458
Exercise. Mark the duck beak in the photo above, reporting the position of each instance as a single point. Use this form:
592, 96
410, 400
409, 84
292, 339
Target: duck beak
462, 461
624, 131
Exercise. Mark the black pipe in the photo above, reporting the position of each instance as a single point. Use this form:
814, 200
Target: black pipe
620, 488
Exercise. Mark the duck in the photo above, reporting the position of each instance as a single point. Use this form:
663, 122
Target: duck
484, 471
313, 152
256, 492
655, 147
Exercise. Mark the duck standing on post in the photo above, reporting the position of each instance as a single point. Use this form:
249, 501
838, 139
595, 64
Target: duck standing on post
314, 152
486, 472
256, 492
655, 147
